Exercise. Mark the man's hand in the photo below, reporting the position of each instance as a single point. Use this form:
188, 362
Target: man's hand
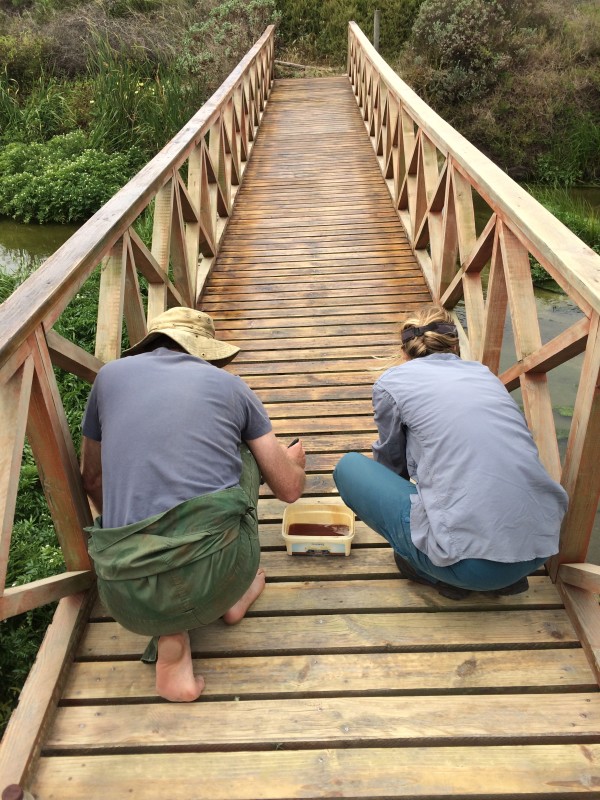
281, 467
296, 453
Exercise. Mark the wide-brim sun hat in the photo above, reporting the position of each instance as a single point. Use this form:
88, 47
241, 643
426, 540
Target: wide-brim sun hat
193, 330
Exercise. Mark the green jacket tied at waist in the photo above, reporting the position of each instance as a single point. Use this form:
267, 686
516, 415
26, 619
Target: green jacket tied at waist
180, 569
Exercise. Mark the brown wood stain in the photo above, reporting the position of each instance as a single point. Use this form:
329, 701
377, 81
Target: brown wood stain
317, 529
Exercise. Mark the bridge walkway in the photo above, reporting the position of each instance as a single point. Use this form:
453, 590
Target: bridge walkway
344, 679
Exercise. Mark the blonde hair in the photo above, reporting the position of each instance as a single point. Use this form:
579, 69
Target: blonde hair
429, 341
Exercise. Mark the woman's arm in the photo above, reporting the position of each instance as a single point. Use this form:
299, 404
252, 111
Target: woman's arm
390, 448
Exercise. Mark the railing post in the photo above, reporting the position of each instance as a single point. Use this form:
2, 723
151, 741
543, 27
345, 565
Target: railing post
376, 25
580, 471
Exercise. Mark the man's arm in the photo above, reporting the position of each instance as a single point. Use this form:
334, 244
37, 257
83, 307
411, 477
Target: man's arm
281, 467
91, 470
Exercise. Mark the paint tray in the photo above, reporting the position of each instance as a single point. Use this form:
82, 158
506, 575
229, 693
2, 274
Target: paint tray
318, 529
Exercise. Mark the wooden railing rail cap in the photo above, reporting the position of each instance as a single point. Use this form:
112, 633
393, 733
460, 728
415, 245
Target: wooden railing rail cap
572, 257
66, 269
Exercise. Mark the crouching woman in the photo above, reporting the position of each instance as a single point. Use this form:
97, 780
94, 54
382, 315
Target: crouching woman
455, 485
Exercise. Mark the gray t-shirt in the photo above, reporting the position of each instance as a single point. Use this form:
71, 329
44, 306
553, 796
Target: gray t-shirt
170, 425
452, 427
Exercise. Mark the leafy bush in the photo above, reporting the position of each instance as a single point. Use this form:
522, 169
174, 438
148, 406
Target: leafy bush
134, 104
138, 30
578, 215
23, 56
60, 181
318, 29
521, 81
36, 116
212, 47
127, 8
466, 45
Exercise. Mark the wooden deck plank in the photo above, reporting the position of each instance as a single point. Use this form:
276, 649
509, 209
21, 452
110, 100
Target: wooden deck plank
336, 633
365, 674
335, 722
561, 771
397, 594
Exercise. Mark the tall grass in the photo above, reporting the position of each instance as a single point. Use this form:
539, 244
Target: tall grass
42, 113
136, 103
574, 212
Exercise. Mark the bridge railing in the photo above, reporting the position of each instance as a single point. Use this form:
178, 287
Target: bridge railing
189, 216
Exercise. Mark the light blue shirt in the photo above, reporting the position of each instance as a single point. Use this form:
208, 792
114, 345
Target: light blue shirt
451, 426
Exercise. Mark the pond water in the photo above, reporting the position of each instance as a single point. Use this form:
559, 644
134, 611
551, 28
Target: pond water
24, 245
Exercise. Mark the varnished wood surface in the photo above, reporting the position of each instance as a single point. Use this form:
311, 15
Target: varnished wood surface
344, 680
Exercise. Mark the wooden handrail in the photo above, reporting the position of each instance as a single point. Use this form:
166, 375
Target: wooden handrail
557, 247
432, 172
189, 220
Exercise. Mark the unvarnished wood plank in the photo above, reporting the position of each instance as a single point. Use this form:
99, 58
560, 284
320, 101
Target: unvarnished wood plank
556, 771
262, 724
331, 633
322, 597
341, 674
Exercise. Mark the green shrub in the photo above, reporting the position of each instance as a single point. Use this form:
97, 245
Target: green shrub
521, 81
318, 29
137, 104
60, 181
23, 56
466, 46
212, 47
573, 154
578, 215
36, 116
127, 8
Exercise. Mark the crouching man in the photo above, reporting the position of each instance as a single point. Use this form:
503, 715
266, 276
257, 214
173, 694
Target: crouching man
172, 455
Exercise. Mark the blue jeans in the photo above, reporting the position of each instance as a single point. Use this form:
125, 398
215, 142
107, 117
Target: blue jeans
381, 499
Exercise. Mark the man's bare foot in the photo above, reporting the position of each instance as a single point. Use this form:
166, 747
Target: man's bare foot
238, 611
175, 679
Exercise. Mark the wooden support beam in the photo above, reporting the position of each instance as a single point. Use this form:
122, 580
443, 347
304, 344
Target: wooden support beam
562, 348
161, 249
495, 312
14, 397
50, 439
584, 612
19, 599
179, 254
581, 477
585, 576
149, 267
478, 258
110, 303
72, 358
133, 307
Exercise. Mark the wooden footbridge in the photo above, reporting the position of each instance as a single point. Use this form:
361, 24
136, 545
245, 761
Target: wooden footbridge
306, 216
